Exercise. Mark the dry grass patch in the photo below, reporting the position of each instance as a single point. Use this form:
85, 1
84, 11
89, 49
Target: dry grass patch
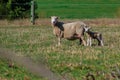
39, 43
46, 22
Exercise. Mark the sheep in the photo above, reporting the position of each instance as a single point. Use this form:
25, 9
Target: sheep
93, 35
70, 31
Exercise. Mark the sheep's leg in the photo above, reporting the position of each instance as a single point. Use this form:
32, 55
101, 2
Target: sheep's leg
80, 40
84, 42
90, 41
61, 34
102, 43
59, 41
99, 42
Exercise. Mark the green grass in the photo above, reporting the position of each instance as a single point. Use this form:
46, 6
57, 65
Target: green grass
16, 72
70, 59
78, 8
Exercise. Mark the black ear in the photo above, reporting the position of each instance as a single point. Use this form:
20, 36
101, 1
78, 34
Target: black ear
84, 27
50, 16
57, 17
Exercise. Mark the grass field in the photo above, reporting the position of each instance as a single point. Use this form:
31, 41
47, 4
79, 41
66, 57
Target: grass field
15, 73
71, 59
79, 8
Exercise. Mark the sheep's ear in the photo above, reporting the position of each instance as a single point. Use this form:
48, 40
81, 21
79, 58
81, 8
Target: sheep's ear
57, 17
84, 27
50, 16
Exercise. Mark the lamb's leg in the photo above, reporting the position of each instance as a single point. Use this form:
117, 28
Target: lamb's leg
59, 38
101, 43
80, 40
90, 41
101, 40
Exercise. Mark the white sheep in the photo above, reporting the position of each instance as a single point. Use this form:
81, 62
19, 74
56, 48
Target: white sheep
93, 35
70, 31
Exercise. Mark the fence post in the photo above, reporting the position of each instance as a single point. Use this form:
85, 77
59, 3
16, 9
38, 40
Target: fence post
33, 12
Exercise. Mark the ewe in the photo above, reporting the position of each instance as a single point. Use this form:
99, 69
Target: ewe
70, 31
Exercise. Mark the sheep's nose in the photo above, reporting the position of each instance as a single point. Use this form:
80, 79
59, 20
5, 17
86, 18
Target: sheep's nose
54, 22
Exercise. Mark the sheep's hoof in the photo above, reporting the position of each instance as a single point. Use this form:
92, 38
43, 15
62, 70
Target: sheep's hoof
58, 45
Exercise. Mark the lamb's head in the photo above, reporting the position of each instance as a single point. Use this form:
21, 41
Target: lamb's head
54, 20
87, 29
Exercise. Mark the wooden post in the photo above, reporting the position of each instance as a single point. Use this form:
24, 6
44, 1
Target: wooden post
33, 12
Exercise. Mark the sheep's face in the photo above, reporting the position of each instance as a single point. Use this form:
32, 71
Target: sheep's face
54, 20
87, 29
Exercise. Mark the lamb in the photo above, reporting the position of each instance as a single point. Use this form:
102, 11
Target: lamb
70, 31
93, 35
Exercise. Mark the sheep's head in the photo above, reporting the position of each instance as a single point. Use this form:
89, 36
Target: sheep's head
54, 20
87, 29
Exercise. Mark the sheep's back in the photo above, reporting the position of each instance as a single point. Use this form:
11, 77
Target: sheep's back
73, 28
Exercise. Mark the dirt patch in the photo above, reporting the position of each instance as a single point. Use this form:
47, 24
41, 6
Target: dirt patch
37, 69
